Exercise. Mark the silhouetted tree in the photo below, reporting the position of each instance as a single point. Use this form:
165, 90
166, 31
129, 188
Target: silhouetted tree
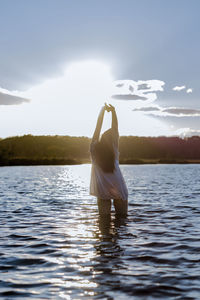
67, 149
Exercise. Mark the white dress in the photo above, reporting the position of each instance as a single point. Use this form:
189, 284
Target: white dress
107, 185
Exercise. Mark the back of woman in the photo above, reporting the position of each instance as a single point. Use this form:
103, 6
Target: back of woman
107, 181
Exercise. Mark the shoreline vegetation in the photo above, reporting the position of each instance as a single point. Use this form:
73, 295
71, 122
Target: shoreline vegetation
68, 150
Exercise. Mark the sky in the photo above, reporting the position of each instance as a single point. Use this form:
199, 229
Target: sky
61, 60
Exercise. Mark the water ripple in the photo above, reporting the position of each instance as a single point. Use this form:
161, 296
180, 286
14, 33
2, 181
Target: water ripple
54, 245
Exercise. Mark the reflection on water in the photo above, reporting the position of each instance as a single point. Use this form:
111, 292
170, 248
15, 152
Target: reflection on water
109, 254
54, 245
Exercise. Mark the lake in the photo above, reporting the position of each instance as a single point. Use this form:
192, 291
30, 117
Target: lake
53, 245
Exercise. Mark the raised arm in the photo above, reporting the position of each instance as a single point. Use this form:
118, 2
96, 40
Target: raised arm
99, 125
114, 118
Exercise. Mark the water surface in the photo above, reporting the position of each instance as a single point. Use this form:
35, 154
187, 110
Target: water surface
53, 245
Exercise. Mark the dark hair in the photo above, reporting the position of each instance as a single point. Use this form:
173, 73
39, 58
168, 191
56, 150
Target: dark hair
104, 152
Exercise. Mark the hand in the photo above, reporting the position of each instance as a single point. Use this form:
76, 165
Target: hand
112, 108
109, 107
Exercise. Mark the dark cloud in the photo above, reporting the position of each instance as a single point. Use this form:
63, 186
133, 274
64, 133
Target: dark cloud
169, 111
143, 86
150, 108
131, 89
128, 97
182, 111
119, 85
6, 99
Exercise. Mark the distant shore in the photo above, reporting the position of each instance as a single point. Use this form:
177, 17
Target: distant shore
48, 162
67, 150
159, 161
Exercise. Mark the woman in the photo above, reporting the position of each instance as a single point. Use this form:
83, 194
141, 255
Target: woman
107, 181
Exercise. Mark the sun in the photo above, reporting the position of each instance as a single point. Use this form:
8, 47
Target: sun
91, 81
89, 70
83, 81
69, 104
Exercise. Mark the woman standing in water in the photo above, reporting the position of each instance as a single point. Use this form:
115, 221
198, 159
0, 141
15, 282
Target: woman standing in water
107, 181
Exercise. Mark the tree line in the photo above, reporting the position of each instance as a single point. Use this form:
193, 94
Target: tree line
30, 150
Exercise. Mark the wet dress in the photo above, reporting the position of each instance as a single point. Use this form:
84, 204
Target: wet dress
105, 185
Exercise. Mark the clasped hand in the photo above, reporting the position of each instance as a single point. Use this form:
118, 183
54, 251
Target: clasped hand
108, 107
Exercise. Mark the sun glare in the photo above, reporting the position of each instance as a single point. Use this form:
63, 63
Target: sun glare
89, 70
69, 104
75, 96
90, 81
79, 78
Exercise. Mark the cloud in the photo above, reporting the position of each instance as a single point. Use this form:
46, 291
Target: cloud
178, 88
143, 86
6, 98
182, 111
150, 108
128, 97
169, 111
119, 85
144, 90
187, 132
131, 89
